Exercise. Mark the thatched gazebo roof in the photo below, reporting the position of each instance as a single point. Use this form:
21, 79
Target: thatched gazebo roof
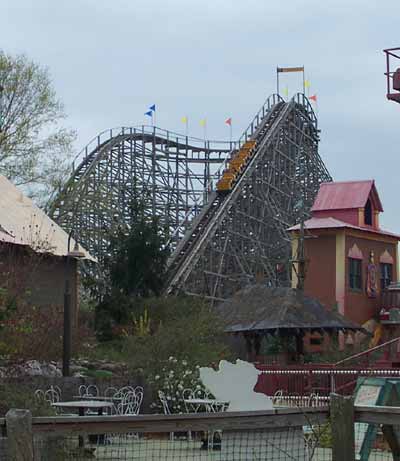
264, 310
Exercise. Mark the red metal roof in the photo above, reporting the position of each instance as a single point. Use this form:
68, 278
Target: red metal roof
346, 195
332, 223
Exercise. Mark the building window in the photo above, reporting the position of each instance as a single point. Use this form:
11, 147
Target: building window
386, 275
368, 213
316, 340
355, 278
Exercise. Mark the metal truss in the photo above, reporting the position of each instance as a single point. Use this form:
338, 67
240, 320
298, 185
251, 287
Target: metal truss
241, 237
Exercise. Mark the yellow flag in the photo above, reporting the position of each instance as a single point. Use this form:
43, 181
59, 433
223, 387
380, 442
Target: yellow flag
184, 119
307, 83
203, 122
285, 91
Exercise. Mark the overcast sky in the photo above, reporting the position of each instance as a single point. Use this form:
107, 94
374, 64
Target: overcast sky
111, 59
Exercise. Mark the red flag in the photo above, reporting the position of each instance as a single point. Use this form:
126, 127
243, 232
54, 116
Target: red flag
313, 98
229, 121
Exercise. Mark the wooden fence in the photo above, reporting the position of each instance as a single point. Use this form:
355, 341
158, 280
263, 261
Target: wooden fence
287, 433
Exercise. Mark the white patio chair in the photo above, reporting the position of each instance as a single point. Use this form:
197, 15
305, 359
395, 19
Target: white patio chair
39, 396
51, 396
139, 400
129, 406
92, 390
313, 400
120, 394
126, 406
110, 392
57, 389
167, 411
82, 390
277, 398
188, 394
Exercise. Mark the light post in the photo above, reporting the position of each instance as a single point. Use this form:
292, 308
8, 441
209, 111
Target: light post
67, 339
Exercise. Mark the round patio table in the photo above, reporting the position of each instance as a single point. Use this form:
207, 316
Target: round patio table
82, 406
211, 405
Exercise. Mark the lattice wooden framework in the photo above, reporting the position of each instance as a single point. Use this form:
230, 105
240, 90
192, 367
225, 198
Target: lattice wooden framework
221, 240
240, 237
171, 172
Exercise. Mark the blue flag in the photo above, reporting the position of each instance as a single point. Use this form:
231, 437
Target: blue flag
149, 113
153, 107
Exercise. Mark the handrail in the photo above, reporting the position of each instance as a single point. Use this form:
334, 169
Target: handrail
148, 129
268, 104
377, 414
368, 351
189, 421
302, 99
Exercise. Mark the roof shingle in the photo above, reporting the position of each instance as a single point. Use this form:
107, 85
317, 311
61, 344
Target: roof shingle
346, 195
23, 223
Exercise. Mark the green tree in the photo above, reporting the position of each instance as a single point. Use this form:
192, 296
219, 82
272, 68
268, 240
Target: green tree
138, 259
135, 270
34, 149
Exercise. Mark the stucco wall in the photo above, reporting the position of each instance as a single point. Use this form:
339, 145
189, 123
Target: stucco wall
321, 268
358, 307
349, 216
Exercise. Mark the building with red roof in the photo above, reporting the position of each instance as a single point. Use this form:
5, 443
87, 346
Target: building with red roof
350, 260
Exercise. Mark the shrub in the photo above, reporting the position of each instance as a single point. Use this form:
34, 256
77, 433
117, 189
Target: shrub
181, 327
30, 332
172, 378
12, 396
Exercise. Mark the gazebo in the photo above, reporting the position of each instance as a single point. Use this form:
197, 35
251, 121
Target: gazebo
258, 310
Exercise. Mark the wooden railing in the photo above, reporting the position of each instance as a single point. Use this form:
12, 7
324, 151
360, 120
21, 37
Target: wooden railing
284, 425
239, 429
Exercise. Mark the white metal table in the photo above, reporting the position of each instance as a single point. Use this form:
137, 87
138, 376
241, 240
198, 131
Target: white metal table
210, 405
82, 406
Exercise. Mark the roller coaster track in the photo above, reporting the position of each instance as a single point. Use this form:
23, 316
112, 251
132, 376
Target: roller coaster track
227, 246
220, 241
169, 171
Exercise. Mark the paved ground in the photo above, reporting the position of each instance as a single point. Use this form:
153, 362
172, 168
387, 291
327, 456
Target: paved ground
130, 448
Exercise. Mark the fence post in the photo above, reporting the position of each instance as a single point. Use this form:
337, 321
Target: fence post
342, 424
19, 435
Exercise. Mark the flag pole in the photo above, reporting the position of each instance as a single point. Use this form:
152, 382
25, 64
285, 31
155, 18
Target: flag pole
277, 80
304, 82
187, 126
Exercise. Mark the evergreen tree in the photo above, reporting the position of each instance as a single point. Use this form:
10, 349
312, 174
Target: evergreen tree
135, 269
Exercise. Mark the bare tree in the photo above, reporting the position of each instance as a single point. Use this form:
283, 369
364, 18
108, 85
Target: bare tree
35, 150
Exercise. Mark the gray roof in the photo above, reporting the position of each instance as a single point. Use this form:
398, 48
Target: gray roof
263, 309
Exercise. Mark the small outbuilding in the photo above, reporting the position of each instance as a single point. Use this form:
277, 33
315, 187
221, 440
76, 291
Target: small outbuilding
35, 253
258, 311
